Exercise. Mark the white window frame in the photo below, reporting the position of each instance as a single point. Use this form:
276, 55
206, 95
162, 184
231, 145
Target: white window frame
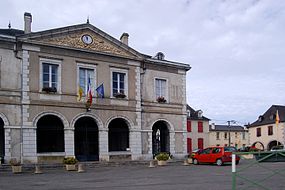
124, 71
166, 88
52, 62
93, 83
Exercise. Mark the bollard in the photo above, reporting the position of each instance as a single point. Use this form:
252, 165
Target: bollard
38, 170
151, 164
80, 168
186, 162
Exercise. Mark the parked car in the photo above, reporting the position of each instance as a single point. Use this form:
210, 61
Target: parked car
277, 148
194, 152
218, 155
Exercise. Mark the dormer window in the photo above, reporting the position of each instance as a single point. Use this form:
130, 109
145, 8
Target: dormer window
188, 113
159, 56
200, 113
260, 118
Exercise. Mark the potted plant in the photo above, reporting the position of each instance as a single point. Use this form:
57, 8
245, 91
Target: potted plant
49, 89
162, 158
70, 163
161, 99
119, 95
16, 165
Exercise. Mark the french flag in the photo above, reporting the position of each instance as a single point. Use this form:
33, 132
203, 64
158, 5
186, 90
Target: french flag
89, 92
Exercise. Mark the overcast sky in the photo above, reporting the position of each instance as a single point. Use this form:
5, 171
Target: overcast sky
236, 48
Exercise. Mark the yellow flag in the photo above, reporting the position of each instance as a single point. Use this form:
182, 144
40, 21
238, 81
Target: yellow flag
79, 95
277, 118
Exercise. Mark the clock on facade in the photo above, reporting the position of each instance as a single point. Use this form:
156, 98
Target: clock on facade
87, 39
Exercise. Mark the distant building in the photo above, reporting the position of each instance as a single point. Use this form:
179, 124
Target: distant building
46, 78
197, 129
264, 132
223, 135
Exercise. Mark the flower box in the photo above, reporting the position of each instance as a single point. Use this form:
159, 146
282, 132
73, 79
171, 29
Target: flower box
49, 89
119, 95
161, 99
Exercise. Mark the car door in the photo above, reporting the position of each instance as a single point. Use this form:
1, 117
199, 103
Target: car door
204, 156
216, 153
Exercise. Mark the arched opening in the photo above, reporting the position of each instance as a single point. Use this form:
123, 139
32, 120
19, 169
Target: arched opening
118, 135
50, 134
160, 137
258, 145
86, 139
272, 144
2, 140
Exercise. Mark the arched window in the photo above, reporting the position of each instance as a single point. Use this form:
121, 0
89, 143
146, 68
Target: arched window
118, 135
50, 134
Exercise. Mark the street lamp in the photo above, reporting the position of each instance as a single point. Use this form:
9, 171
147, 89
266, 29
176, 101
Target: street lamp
157, 137
229, 130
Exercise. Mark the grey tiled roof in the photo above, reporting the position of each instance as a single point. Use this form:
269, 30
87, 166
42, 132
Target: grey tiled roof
11, 32
269, 117
226, 128
194, 115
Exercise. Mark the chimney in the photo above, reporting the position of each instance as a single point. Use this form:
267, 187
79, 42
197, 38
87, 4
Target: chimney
28, 22
213, 126
125, 38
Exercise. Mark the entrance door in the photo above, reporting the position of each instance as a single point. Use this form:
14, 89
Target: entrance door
86, 139
2, 141
160, 138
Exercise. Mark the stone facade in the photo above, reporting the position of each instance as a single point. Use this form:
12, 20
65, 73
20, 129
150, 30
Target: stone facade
24, 104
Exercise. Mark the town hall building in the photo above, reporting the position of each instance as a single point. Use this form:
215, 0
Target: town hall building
77, 91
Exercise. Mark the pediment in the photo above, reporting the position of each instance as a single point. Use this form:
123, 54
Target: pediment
74, 40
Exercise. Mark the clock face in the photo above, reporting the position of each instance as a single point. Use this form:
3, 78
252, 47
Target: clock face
87, 39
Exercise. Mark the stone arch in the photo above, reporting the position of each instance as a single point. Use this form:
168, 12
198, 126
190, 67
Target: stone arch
40, 115
95, 117
128, 121
168, 124
258, 145
272, 144
5, 119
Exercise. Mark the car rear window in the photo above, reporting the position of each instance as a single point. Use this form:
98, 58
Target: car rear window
230, 149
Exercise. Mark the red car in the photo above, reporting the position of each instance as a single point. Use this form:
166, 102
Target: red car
218, 155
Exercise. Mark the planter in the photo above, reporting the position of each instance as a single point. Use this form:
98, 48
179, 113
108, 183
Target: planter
70, 167
190, 161
161, 163
17, 169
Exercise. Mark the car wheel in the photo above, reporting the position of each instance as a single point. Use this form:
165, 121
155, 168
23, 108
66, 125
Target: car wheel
219, 162
195, 161
237, 162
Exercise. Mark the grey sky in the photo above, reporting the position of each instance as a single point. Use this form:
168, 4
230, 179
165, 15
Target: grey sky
236, 48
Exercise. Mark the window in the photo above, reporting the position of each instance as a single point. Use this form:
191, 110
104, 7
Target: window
119, 83
200, 143
270, 130
200, 127
189, 126
258, 132
236, 135
84, 76
50, 75
217, 135
216, 150
243, 135
206, 151
160, 88
225, 135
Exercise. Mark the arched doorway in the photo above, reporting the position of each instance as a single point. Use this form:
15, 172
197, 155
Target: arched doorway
2, 140
50, 134
86, 139
160, 137
258, 145
272, 144
118, 135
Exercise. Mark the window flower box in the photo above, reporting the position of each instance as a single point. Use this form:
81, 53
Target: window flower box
49, 89
161, 99
119, 95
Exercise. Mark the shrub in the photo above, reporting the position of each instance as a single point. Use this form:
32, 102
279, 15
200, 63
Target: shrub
163, 156
15, 162
69, 160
